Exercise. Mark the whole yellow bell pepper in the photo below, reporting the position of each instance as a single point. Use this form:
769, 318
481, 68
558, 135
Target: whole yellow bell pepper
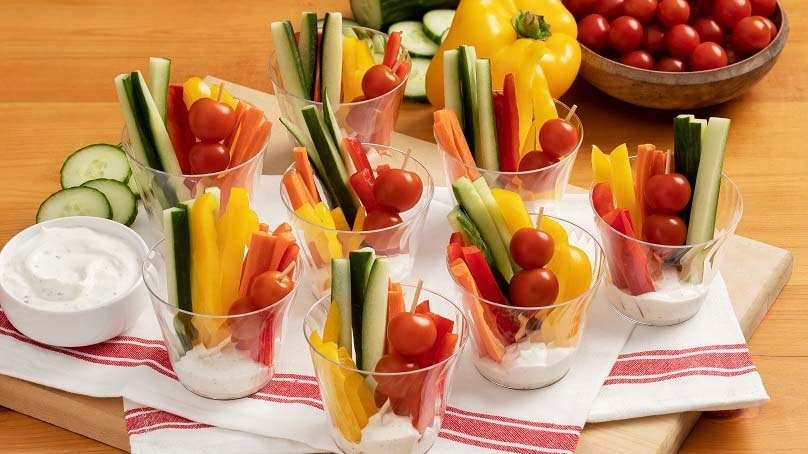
526, 34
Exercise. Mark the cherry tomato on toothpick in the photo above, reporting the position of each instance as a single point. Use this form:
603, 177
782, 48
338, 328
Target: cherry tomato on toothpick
391, 385
208, 158
380, 219
531, 248
668, 193
211, 121
398, 189
411, 334
378, 80
664, 229
535, 160
558, 137
533, 288
270, 287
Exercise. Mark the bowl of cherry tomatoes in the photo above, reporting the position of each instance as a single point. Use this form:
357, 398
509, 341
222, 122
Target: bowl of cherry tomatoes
678, 54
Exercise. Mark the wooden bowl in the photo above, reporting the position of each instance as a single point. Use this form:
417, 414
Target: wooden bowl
687, 90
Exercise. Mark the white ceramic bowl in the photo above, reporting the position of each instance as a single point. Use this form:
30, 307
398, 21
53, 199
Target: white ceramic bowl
84, 326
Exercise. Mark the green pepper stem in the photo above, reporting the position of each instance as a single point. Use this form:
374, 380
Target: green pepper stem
529, 25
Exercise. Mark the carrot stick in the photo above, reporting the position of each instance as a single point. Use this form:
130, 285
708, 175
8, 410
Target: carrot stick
241, 108
486, 339
248, 131
259, 140
259, 255
303, 167
290, 256
281, 244
395, 306
282, 228
263, 227
453, 139
298, 194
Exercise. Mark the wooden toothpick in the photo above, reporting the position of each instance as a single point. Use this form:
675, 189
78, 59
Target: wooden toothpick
221, 90
406, 158
286, 271
417, 295
538, 217
668, 161
571, 112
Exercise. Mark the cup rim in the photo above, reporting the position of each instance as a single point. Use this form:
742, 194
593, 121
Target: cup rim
277, 86
458, 350
733, 224
523, 173
429, 185
297, 272
593, 286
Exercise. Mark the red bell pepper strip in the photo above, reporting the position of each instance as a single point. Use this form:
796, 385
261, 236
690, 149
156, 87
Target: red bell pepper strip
403, 69
382, 168
507, 122
610, 241
457, 238
443, 326
602, 199
422, 307
483, 277
178, 127
631, 257
358, 156
392, 49
454, 251
362, 182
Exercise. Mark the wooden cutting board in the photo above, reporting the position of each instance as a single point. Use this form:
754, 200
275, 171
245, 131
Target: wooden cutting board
754, 272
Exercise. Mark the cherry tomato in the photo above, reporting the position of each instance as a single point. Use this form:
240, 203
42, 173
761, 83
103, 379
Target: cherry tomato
558, 137
593, 32
411, 334
579, 8
708, 30
673, 12
533, 288
729, 12
625, 34
398, 190
378, 80
664, 229
763, 8
534, 160
708, 56
531, 248
380, 219
682, 40
211, 121
667, 194
610, 9
772, 27
638, 59
705, 7
655, 40
670, 64
208, 157
642, 10
750, 35
270, 287
245, 330
393, 386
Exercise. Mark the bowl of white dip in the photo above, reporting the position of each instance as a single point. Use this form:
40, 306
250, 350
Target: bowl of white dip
73, 281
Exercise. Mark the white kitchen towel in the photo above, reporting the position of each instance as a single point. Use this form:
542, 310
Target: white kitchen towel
481, 416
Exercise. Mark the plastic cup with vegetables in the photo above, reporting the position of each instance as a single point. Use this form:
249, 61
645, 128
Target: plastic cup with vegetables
222, 313
370, 195
384, 357
518, 139
665, 219
526, 284
183, 139
362, 72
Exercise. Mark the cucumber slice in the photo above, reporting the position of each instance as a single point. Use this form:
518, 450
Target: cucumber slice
120, 198
414, 38
443, 36
416, 81
460, 222
361, 264
468, 198
78, 201
133, 186
307, 48
467, 68
377, 14
453, 92
341, 296
290, 65
159, 76
437, 22
486, 153
708, 181
331, 58
374, 315
94, 161
178, 257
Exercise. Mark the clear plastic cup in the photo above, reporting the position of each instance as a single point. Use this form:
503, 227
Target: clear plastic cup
161, 190
218, 357
679, 276
370, 120
537, 188
401, 412
398, 243
532, 347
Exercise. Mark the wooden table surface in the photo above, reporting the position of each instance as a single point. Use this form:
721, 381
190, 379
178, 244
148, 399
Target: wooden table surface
58, 59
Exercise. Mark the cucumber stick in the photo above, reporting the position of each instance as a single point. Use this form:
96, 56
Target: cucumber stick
336, 135
378, 14
486, 153
687, 135
361, 263
468, 198
177, 257
307, 48
331, 58
708, 181
493, 210
374, 314
159, 76
460, 222
123, 88
290, 65
467, 68
156, 126
453, 93
341, 296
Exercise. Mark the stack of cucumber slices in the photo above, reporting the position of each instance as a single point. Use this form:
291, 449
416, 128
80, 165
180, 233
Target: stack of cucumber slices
96, 181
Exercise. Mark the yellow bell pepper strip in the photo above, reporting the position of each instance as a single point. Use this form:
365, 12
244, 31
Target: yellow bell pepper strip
349, 85
193, 89
226, 98
234, 229
332, 324
205, 282
339, 219
332, 382
312, 234
512, 208
623, 184
560, 261
601, 166
494, 27
580, 277
334, 246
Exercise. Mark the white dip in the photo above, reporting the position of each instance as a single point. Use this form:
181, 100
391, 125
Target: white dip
528, 365
71, 268
226, 373
674, 300
389, 433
